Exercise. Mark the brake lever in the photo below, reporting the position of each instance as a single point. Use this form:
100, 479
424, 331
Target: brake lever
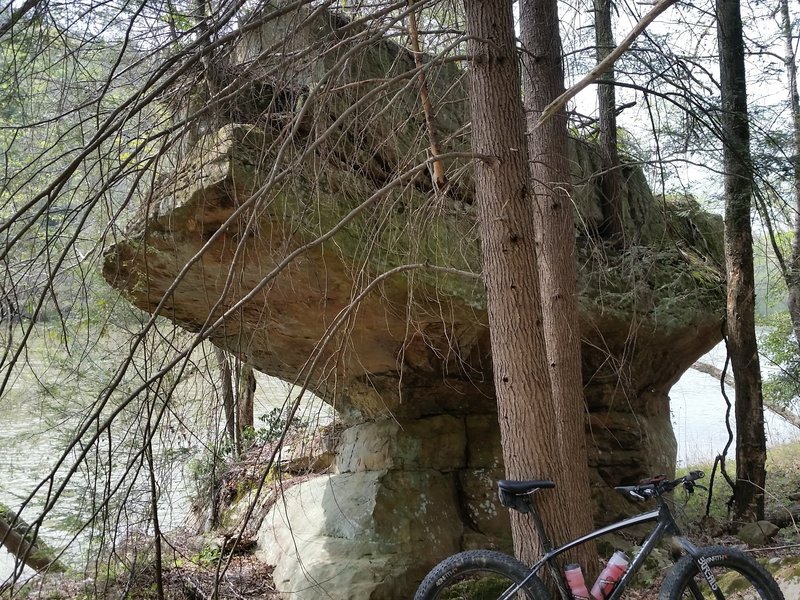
690, 486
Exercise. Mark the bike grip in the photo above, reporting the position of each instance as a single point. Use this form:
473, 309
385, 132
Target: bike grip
696, 475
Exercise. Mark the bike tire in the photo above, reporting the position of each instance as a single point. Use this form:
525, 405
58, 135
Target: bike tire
479, 575
740, 577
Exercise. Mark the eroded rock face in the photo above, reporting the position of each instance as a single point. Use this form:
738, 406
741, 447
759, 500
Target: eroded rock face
274, 240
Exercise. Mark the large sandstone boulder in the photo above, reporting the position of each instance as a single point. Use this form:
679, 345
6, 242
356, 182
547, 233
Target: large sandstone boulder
263, 240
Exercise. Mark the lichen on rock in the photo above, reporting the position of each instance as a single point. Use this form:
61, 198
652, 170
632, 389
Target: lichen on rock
275, 235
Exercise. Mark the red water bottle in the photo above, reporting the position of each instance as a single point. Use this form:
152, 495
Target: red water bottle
574, 577
616, 566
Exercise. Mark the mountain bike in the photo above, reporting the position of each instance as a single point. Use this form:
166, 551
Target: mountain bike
712, 572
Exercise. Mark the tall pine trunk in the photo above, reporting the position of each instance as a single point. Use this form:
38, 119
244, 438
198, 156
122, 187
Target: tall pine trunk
611, 177
793, 275
527, 417
548, 157
740, 324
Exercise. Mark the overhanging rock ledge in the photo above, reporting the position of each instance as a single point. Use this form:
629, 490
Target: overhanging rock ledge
409, 368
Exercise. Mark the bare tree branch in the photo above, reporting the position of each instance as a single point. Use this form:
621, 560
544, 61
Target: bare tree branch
607, 62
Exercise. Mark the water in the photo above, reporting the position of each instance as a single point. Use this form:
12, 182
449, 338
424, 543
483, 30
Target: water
698, 415
30, 443
29, 440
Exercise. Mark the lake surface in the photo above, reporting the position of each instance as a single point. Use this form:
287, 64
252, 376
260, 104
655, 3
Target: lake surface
698, 415
30, 439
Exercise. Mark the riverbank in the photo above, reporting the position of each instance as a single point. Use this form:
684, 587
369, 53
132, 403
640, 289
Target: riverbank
37, 422
191, 564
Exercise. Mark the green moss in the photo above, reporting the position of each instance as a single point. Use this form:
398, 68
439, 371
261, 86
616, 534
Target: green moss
668, 276
787, 569
659, 285
487, 587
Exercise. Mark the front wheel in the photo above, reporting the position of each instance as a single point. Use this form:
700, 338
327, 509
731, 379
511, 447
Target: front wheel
480, 575
737, 575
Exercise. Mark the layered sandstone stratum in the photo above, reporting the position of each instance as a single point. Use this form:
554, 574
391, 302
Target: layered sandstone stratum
275, 232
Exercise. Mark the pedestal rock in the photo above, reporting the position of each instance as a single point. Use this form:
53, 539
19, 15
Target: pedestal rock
291, 234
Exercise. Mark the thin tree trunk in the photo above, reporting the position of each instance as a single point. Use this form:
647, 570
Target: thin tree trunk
247, 392
793, 275
438, 177
611, 179
154, 496
543, 81
525, 410
20, 539
740, 323
228, 398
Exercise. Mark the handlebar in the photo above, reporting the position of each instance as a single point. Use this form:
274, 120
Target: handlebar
658, 485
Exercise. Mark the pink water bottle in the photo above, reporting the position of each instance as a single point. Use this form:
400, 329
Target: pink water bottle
574, 577
616, 566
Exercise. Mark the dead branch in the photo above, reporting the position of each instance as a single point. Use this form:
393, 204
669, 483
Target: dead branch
606, 63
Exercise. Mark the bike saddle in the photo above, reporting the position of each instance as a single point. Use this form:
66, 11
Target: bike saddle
516, 494
515, 486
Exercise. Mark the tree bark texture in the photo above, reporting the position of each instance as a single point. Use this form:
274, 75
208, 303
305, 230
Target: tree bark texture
548, 158
529, 435
793, 275
607, 124
740, 324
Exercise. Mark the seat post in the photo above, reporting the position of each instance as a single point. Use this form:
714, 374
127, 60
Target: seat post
538, 525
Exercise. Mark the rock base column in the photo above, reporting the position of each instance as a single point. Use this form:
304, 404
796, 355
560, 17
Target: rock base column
403, 495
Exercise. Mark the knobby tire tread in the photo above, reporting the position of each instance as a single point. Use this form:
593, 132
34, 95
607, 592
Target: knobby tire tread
677, 580
474, 560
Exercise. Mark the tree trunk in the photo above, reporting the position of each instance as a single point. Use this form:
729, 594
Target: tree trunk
740, 324
247, 392
548, 157
611, 179
20, 539
438, 176
793, 275
228, 398
525, 410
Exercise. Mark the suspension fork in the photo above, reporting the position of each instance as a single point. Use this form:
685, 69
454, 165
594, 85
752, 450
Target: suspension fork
703, 568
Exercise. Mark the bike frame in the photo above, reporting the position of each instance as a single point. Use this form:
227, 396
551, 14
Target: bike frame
665, 526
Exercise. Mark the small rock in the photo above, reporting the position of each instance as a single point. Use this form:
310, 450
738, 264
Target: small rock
758, 533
